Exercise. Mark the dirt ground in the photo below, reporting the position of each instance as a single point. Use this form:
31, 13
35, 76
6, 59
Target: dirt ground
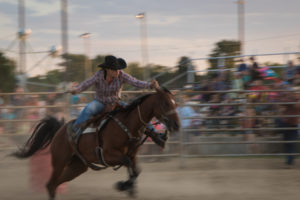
200, 178
206, 178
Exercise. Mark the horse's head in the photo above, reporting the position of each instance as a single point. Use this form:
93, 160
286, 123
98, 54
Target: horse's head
165, 109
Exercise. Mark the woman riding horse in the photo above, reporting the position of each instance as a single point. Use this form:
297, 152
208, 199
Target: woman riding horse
118, 140
108, 84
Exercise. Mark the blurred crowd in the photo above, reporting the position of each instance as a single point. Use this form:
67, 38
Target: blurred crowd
54, 104
248, 75
205, 104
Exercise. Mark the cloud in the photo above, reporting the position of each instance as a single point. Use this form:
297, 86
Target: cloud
42, 8
7, 28
37, 7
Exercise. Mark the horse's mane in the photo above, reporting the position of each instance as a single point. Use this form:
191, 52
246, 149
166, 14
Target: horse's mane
132, 105
137, 101
166, 90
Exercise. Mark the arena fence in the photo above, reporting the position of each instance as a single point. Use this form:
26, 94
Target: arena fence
201, 141
203, 145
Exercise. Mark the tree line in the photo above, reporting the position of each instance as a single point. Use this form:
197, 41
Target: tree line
73, 69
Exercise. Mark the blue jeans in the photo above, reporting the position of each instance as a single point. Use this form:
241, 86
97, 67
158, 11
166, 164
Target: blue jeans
93, 108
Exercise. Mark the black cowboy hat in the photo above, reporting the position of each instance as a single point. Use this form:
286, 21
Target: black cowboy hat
111, 62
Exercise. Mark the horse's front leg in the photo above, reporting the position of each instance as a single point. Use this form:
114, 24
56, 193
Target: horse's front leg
116, 158
133, 172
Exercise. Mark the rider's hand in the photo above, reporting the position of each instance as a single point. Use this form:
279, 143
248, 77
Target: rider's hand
154, 84
73, 91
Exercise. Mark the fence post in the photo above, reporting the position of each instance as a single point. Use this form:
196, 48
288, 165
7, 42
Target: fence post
181, 135
190, 72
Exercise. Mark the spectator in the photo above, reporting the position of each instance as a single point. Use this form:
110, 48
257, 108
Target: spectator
296, 79
289, 72
257, 96
273, 95
253, 69
206, 86
221, 82
186, 111
74, 101
17, 113
242, 66
214, 111
18, 100
51, 101
246, 78
289, 135
249, 122
33, 113
237, 85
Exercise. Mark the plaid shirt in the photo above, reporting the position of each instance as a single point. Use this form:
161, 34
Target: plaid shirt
110, 93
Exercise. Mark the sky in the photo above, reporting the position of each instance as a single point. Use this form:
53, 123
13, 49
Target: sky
175, 28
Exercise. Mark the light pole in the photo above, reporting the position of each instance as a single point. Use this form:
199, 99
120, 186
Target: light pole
144, 44
86, 43
23, 34
241, 24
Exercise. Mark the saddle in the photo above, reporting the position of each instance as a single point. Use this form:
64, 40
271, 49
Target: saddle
92, 125
94, 120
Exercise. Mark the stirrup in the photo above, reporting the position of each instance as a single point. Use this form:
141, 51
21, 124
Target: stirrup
155, 137
164, 136
77, 136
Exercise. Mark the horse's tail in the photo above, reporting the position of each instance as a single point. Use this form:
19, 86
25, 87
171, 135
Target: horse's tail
41, 137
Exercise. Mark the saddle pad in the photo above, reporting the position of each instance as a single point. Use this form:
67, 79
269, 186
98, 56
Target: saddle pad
93, 129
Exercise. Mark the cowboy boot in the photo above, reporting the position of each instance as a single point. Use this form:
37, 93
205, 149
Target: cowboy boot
74, 132
157, 139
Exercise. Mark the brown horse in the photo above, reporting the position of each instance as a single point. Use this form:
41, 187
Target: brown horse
118, 139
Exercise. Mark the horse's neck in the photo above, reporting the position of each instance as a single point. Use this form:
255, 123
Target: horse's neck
136, 120
146, 110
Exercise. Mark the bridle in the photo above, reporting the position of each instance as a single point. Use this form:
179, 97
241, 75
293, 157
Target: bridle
163, 115
140, 116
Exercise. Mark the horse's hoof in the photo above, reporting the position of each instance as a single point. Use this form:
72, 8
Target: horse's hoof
121, 186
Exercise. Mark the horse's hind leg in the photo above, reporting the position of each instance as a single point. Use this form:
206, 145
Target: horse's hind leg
72, 170
61, 154
58, 165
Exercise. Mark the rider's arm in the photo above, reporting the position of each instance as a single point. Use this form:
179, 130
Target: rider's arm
134, 82
87, 83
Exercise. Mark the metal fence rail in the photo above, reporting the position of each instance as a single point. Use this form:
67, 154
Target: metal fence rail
180, 144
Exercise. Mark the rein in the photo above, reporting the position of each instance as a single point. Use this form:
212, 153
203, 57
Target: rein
140, 116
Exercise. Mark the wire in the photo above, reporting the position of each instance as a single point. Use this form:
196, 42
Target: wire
38, 63
11, 45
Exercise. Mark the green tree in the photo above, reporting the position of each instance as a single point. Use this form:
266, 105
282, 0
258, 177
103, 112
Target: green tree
7, 74
47, 82
74, 67
135, 70
225, 48
182, 68
96, 61
183, 64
